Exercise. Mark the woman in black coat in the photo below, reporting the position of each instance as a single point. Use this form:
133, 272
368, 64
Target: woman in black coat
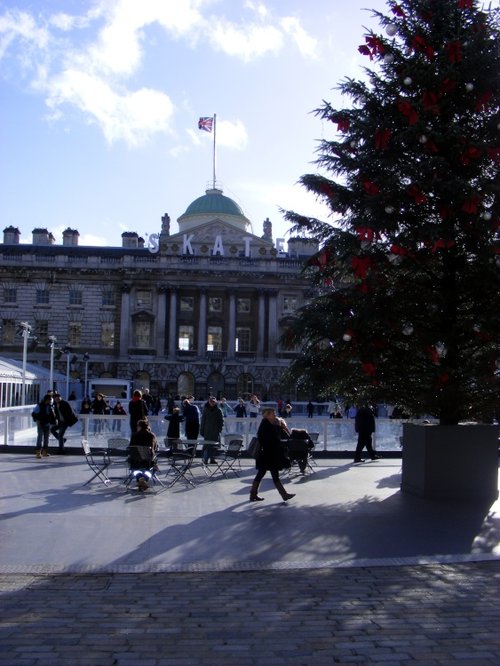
272, 454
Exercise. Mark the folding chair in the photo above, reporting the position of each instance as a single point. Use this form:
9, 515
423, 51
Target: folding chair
299, 450
98, 466
142, 460
180, 463
117, 450
229, 459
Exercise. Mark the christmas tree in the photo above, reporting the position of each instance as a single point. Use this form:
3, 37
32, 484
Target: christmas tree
407, 309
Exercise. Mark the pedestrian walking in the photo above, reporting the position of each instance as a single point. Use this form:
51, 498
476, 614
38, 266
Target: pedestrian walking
364, 425
271, 457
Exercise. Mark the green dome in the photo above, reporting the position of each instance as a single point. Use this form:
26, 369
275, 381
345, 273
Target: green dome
213, 202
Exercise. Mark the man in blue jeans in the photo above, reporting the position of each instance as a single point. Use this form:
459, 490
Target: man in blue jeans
44, 417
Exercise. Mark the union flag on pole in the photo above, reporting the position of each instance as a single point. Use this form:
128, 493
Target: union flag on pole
206, 124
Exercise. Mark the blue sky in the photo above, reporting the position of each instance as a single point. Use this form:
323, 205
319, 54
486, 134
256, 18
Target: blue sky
100, 101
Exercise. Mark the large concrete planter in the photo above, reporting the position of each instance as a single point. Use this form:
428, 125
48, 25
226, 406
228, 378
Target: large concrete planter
450, 462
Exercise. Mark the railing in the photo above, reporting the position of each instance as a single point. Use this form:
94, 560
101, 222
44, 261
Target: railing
335, 436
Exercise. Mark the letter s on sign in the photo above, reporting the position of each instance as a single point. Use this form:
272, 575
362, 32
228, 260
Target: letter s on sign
154, 243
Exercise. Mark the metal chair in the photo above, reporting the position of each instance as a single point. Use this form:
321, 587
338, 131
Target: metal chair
299, 453
229, 459
180, 463
117, 450
99, 465
142, 462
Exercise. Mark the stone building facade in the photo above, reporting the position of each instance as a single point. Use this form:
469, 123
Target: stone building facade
198, 311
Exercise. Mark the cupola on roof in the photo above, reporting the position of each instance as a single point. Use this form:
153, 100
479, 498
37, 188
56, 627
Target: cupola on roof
213, 204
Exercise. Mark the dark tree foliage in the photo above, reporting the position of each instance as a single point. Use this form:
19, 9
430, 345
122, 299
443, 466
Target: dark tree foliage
408, 304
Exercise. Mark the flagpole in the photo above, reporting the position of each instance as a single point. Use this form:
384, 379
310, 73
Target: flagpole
215, 131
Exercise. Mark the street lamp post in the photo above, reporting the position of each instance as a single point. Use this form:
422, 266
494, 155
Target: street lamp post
86, 358
67, 351
25, 332
52, 344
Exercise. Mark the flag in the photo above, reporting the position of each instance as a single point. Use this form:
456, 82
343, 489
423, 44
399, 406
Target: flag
206, 124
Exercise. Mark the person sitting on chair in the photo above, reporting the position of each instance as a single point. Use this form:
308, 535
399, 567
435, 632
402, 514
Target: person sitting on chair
139, 466
301, 458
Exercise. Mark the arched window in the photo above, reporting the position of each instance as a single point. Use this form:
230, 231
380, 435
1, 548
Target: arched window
215, 384
141, 380
185, 384
244, 385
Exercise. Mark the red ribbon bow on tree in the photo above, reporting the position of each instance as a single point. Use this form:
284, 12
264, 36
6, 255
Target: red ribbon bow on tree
471, 204
365, 233
407, 110
370, 188
369, 368
382, 138
419, 44
471, 153
483, 101
454, 51
416, 194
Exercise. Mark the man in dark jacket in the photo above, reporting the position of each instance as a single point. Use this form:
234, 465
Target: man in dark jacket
191, 415
212, 422
65, 419
44, 417
364, 425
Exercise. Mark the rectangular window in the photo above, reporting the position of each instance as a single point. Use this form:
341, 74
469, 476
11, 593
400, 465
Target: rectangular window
214, 338
187, 304
186, 338
244, 305
74, 333
42, 296
243, 339
8, 331
289, 304
108, 297
142, 334
215, 304
108, 334
143, 298
9, 295
75, 297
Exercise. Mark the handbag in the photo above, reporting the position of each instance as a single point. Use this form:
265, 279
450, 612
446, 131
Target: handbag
254, 448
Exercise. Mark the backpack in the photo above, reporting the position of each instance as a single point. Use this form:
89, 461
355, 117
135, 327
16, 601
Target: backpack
254, 448
35, 414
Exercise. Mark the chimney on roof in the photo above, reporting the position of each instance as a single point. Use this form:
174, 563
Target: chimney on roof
130, 239
11, 236
42, 237
70, 237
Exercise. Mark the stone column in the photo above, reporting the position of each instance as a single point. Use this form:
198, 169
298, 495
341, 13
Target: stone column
172, 324
125, 323
261, 326
202, 324
161, 316
273, 323
231, 338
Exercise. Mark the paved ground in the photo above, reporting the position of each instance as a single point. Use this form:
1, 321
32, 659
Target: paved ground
350, 571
